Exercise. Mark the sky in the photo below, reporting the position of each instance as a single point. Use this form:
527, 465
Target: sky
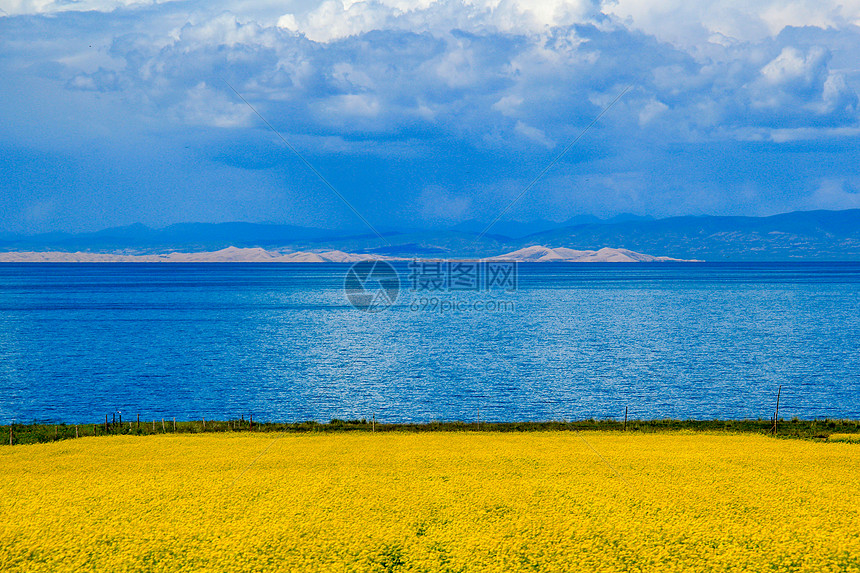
423, 114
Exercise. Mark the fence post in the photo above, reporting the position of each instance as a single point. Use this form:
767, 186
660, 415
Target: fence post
174, 424
776, 416
106, 423
163, 431
76, 431
625, 418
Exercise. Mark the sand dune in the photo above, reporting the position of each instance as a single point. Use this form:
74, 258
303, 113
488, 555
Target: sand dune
543, 254
535, 253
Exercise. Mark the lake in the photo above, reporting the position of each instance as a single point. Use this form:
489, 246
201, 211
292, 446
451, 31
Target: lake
282, 342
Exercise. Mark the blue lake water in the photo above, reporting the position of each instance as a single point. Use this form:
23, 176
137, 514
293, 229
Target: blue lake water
573, 341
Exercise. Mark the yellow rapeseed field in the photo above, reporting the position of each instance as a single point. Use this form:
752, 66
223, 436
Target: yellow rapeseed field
431, 502
844, 438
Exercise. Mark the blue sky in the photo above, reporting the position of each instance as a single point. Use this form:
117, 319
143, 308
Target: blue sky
422, 114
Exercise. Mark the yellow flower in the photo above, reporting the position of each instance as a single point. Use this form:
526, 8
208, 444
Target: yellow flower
431, 502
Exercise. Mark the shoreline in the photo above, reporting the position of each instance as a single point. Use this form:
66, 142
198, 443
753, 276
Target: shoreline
33, 433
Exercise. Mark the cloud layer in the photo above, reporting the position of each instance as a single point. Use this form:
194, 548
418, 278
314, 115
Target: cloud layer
422, 113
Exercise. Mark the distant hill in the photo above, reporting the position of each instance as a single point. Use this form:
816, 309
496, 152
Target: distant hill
516, 229
809, 235
541, 254
182, 236
258, 255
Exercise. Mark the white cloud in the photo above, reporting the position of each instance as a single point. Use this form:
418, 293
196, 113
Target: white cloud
205, 106
678, 21
833, 194
399, 62
458, 68
836, 95
694, 23
288, 22
797, 87
779, 14
797, 70
468, 81
533, 134
340, 108
225, 29
650, 111
335, 19
508, 105
799, 134
20, 7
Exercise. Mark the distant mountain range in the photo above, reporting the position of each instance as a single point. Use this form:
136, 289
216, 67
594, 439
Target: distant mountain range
809, 235
516, 229
187, 236
806, 235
